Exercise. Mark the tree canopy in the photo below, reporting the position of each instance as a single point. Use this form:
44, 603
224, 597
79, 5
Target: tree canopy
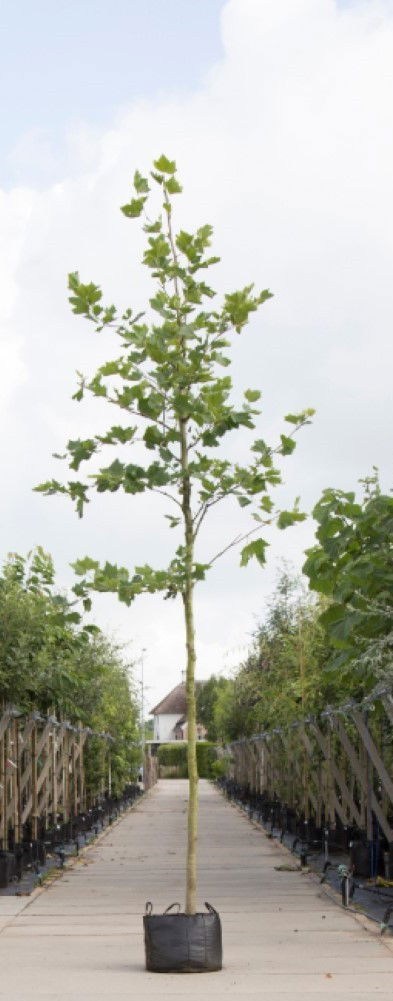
353, 565
309, 652
167, 380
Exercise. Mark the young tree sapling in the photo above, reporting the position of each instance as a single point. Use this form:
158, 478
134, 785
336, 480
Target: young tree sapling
167, 382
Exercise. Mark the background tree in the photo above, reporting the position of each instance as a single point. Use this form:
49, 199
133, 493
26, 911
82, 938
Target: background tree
353, 565
284, 674
51, 661
308, 653
167, 384
207, 693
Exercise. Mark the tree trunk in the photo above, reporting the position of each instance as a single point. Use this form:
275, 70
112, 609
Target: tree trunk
191, 757
188, 595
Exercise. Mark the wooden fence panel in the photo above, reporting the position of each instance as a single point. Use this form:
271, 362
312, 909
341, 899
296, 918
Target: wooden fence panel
41, 773
337, 768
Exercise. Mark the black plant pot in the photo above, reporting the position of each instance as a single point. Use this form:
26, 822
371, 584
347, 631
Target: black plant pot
360, 856
182, 943
6, 868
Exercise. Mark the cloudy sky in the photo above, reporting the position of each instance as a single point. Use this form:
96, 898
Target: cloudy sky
278, 113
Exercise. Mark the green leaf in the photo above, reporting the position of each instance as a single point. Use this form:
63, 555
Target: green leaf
288, 518
252, 395
86, 297
221, 359
266, 504
288, 445
153, 227
110, 478
335, 613
83, 566
118, 434
81, 451
153, 437
243, 501
256, 548
199, 571
173, 186
164, 165
302, 418
96, 387
50, 487
141, 184
173, 522
110, 367
134, 208
134, 479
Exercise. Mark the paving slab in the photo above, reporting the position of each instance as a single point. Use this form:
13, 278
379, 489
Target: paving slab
284, 938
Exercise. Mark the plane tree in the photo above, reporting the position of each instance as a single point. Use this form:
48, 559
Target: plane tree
170, 386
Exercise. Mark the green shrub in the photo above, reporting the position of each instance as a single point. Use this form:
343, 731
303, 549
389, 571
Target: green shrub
170, 755
206, 755
220, 767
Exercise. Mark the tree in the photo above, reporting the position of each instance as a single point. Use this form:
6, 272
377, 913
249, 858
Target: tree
353, 565
52, 662
166, 382
283, 676
206, 699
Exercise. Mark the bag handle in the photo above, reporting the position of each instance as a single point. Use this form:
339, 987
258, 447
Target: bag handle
148, 907
210, 908
176, 904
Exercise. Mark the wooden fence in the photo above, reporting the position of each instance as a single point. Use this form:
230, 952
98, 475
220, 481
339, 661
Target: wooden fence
41, 773
336, 768
150, 769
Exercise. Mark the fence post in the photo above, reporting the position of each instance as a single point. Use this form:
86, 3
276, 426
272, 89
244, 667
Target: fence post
18, 801
82, 770
34, 796
4, 832
53, 774
3, 780
66, 777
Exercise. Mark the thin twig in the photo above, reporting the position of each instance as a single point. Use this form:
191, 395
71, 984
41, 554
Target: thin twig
157, 490
237, 541
203, 509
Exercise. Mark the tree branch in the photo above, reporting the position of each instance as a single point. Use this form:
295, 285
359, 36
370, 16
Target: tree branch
237, 541
203, 509
157, 490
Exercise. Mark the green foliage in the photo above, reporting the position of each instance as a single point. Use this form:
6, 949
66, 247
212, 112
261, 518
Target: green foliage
167, 385
207, 693
353, 565
172, 754
220, 767
283, 677
256, 548
175, 756
52, 662
308, 653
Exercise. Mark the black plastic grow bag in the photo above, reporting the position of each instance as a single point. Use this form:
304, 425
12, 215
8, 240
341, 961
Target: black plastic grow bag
7, 868
182, 943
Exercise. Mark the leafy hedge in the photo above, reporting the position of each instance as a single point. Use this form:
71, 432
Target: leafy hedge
175, 755
52, 662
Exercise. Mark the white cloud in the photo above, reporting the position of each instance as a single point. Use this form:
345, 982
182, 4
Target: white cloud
288, 150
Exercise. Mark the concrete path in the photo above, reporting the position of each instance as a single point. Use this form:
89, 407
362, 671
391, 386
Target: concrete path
81, 939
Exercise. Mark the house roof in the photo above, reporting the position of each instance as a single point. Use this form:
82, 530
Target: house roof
175, 702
